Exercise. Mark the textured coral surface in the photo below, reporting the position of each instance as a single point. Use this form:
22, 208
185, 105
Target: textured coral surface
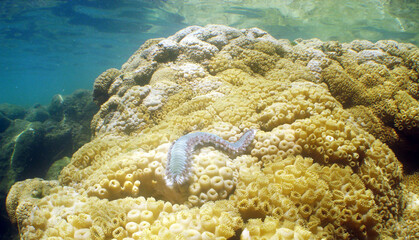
319, 166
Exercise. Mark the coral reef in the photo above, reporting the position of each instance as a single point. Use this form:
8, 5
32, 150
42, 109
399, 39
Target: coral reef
43, 134
33, 138
315, 169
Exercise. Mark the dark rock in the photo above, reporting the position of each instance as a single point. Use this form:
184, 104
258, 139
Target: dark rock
12, 111
4, 122
38, 113
55, 169
20, 155
57, 141
56, 107
79, 110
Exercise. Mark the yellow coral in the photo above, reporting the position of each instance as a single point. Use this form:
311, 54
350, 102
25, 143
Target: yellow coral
27, 193
102, 84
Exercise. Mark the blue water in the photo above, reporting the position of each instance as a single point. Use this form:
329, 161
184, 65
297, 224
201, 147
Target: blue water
49, 47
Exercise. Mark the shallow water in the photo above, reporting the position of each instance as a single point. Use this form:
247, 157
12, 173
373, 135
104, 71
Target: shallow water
50, 47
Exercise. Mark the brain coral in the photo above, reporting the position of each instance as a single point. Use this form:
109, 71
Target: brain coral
318, 166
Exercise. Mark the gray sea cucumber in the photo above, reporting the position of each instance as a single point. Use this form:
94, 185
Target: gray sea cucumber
180, 153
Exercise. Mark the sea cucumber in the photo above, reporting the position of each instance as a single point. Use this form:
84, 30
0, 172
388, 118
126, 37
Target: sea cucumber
180, 153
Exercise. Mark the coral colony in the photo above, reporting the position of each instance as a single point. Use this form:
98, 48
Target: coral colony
319, 165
